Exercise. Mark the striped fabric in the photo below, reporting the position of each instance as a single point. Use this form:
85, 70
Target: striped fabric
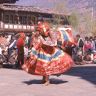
45, 57
47, 64
66, 34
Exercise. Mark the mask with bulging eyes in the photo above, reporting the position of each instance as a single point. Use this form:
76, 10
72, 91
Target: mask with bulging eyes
43, 28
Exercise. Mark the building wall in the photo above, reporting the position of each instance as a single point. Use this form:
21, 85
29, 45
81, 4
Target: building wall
8, 1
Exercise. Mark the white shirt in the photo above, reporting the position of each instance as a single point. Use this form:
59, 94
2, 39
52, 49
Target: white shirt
0, 50
25, 51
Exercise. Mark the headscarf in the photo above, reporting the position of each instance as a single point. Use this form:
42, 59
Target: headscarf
22, 35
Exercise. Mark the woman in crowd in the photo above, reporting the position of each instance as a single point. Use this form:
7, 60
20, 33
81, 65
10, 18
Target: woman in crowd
46, 58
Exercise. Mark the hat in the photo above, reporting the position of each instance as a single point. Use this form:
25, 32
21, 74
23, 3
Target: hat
22, 35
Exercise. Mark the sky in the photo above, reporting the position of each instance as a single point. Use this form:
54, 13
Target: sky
39, 3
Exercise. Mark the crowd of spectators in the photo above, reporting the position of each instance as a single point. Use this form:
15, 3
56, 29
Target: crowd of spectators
83, 52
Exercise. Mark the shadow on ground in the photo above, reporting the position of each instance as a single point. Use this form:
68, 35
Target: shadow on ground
52, 81
84, 72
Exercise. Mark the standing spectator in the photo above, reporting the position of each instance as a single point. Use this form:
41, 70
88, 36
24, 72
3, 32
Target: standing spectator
78, 50
80, 42
92, 44
87, 49
20, 47
95, 42
87, 45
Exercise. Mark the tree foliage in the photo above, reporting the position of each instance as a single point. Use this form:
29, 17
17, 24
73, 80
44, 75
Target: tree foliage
74, 19
60, 10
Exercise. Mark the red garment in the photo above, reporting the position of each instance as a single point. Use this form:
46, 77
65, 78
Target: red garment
87, 45
40, 67
20, 46
46, 59
20, 42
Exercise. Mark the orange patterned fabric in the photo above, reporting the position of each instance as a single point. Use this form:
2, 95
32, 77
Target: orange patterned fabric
42, 66
48, 59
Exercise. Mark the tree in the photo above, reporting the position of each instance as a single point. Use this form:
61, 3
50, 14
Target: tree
59, 10
94, 28
89, 23
74, 19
